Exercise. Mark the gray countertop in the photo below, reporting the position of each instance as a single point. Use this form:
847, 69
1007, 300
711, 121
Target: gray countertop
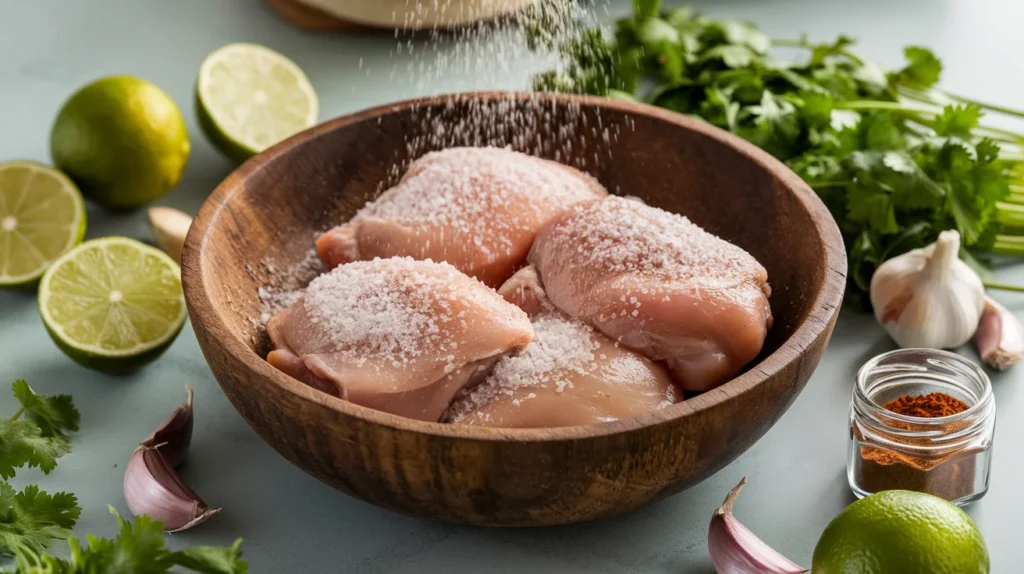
293, 523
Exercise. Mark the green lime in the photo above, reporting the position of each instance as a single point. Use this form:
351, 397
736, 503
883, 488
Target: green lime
41, 218
122, 140
113, 304
901, 532
249, 98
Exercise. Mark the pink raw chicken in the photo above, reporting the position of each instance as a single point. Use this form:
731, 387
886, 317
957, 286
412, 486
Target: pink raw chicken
656, 282
397, 335
476, 208
569, 375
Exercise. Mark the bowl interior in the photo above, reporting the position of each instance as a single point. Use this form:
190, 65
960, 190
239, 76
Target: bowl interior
319, 179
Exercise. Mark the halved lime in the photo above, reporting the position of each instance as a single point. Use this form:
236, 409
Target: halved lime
41, 217
249, 98
113, 304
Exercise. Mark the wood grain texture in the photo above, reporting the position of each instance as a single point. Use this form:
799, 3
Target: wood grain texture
273, 204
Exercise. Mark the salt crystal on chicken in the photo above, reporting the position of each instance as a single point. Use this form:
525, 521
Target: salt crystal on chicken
398, 335
476, 208
657, 283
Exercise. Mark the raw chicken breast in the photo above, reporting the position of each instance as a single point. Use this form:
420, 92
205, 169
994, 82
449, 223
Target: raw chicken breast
397, 335
569, 375
476, 208
659, 284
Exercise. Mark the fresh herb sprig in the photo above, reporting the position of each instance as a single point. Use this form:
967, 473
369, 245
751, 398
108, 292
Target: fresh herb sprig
36, 435
140, 548
895, 159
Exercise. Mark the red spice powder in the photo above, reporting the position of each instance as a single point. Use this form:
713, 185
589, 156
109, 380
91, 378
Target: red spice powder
931, 405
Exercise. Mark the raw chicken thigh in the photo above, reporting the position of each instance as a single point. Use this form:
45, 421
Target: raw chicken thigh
476, 208
569, 375
659, 284
397, 335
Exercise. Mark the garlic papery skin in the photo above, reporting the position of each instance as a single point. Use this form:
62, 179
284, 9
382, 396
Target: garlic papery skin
174, 436
169, 227
928, 297
152, 487
1000, 337
736, 550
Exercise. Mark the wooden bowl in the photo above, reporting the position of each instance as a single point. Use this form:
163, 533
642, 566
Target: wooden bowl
334, 15
273, 205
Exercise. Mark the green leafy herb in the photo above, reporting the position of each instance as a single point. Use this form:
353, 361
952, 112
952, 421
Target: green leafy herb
32, 519
35, 436
54, 415
894, 159
139, 548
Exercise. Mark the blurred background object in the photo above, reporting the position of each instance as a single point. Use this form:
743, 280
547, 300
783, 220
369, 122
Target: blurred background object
330, 15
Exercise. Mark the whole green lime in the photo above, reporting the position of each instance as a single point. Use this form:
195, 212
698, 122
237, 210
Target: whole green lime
901, 532
122, 140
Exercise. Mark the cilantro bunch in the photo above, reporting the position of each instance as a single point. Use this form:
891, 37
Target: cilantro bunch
896, 160
36, 435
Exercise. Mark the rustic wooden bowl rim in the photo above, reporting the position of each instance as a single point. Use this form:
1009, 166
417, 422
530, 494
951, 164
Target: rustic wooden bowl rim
827, 299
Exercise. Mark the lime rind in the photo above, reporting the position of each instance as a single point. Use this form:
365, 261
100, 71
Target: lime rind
76, 225
106, 358
249, 98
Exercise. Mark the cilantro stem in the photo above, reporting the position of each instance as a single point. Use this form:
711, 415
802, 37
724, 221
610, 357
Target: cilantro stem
980, 104
18, 414
836, 183
1003, 286
1010, 214
1008, 245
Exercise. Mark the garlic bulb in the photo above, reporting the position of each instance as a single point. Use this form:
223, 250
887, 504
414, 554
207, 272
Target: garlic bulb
928, 298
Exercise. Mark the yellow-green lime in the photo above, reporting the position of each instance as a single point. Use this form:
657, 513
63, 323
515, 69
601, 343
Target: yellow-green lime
123, 140
901, 532
42, 216
249, 98
113, 304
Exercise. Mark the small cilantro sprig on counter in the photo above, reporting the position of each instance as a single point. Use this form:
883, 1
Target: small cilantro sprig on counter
36, 435
895, 159
140, 548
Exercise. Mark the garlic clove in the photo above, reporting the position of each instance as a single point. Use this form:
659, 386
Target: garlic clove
928, 297
174, 436
170, 227
153, 488
736, 550
1000, 336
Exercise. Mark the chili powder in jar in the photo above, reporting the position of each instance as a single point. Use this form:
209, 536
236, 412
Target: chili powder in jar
921, 420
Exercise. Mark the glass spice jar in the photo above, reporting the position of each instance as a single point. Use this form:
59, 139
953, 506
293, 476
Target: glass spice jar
947, 456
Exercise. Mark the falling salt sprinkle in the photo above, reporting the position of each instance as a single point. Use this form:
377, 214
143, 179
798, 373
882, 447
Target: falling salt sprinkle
484, 56
560, 346
285, 287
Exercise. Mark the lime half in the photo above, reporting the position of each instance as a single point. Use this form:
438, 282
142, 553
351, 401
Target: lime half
249, 98
113, 304
41, 217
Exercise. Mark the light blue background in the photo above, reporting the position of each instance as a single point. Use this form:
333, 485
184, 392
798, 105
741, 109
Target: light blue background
293, 523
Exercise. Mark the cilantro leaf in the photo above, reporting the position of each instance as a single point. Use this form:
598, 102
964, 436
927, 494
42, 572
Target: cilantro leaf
22, 444
53, 414
957, 121
212, 559
139, 548
32, 519
922, 70
646, 8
